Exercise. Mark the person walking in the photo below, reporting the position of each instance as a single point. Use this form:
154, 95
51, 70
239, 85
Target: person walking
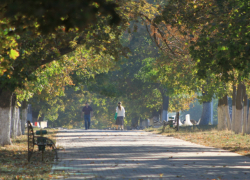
87, 111
120, 115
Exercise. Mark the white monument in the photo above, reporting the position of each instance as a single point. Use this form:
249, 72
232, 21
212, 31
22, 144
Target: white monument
180, 124
187, 121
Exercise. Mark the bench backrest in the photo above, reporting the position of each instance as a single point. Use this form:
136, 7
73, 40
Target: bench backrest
41, 132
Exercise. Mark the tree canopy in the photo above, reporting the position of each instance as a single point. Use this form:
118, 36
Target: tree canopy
59, 54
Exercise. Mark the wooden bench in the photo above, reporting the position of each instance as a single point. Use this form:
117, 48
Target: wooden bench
40, 141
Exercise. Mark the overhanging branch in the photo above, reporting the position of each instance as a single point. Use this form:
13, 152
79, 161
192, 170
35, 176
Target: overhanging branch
160, 32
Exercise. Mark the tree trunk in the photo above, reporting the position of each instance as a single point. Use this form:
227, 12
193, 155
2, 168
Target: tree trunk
154, 117
244, 109
177, 119
226, 112
5, 116
221, 117
212, 112
239, 110
165, 104
134, 122
16, 119
206, 113
233, 107
13, 130
24, 109
11, 122
19, 131
248, 122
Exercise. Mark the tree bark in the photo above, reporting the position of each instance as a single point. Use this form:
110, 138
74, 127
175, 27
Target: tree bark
177, 119
16, 121
244, 109
248, 122
165, 104
206, 110
233, 107
134, 122
226, 112
11, 122
24, 109
13, 130
206, 113
239, 110
212, 113
221, 117
19, 131
5, 117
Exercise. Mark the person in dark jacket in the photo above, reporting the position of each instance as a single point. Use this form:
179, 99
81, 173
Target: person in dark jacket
87, 111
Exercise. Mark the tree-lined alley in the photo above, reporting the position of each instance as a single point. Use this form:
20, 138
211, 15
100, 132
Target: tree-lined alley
156, 56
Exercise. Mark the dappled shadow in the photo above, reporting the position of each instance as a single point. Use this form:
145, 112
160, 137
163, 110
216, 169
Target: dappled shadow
81, 133
15, 163
97, 130
131, 156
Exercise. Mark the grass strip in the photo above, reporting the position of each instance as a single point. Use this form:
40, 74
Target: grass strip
209, 136
14, 163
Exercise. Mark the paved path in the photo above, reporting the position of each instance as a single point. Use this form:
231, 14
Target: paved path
139, 155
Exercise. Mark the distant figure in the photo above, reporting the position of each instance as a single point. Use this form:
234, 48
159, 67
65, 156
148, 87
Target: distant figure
87, 110
120, 115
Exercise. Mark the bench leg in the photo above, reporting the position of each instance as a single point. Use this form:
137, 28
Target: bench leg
53, 146
42, 155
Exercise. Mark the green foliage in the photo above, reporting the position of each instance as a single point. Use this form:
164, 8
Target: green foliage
87, 58
104, 88
219, 34
46, 16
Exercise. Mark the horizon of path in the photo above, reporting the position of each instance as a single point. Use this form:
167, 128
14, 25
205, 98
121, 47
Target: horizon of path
139, 155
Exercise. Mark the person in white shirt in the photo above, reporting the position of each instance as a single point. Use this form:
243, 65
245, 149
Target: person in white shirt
120, 115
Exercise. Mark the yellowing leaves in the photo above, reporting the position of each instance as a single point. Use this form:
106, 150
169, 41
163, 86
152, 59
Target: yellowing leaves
13, 54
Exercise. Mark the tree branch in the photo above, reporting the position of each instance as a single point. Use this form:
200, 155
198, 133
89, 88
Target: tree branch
161, 33
62, 51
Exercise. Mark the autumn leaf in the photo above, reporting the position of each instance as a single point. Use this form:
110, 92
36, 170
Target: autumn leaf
14, 54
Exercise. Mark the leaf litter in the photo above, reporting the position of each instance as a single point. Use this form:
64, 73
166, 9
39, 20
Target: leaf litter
14, 163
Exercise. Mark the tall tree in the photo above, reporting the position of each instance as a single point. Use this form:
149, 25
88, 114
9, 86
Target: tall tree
35, 52
219, 34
